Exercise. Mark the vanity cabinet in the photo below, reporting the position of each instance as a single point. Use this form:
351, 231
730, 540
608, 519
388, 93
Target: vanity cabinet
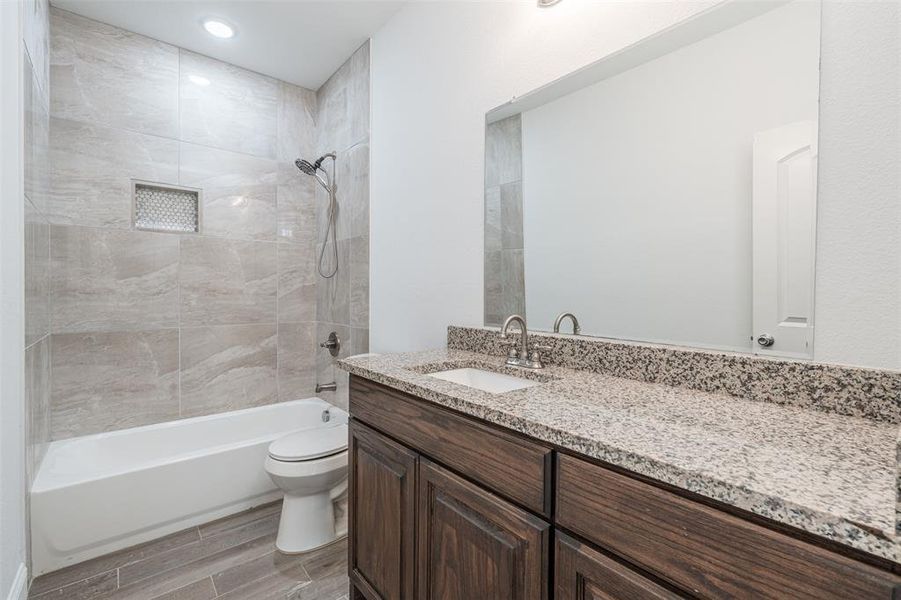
445, 507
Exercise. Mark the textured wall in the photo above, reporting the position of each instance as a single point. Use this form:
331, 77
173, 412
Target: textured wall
441, 66
149, 327
858, 285
343, 300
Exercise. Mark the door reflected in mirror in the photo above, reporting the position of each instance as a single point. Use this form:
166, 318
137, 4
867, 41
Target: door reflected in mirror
666, 193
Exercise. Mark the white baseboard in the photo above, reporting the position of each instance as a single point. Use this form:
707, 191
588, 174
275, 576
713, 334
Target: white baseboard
19, 588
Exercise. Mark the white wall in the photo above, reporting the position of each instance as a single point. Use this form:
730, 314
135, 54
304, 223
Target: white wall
12, 332
858, 285
438, 67
646, 178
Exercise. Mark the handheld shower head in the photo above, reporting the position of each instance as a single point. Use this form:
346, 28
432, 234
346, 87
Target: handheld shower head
310, 168
327, 182
306, 167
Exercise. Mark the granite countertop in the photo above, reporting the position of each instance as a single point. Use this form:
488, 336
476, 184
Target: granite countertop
831, 475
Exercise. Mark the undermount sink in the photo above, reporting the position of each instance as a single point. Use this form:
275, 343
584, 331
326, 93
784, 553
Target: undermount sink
488, 381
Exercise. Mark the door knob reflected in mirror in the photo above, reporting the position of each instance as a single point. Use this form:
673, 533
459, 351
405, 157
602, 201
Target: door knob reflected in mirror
766, 340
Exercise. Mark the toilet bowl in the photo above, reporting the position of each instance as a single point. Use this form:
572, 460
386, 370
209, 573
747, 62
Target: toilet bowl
310, 467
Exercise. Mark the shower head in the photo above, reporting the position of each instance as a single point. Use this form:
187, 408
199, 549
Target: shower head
306, 167
310, 168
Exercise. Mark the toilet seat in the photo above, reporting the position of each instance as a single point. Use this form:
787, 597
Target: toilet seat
309, 444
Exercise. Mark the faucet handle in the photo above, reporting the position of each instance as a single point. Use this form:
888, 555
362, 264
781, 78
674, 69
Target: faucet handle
537, 349
511, 346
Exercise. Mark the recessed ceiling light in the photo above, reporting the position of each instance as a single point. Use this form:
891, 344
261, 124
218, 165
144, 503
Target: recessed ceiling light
198, 80
218, 28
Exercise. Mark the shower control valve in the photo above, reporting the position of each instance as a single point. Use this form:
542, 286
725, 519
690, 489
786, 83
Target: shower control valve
332, 343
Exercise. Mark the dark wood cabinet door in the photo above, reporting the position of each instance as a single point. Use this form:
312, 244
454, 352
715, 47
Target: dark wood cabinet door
381, 527
474, 545
582, 573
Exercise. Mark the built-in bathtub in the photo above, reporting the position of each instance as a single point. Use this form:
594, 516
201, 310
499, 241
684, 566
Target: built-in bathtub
100, 493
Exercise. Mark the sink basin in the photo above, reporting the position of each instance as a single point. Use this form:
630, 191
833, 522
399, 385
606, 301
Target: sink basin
495, 383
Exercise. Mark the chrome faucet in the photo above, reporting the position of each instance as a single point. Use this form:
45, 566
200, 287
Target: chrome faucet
523, 357
572, 317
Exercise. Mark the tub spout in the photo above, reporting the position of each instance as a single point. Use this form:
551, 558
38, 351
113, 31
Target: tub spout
326, 387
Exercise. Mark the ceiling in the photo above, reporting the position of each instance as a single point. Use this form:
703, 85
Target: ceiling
299, 41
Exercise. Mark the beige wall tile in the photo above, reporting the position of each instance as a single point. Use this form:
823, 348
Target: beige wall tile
92, 167
108, 76
493, 219
353, 192
511, 216
111, 280
296, 122
227, 368
37, 402
115, 380
296, 360
237, 110
297, 210
37, 138
503, 151
37, 275
359, 340
359, 282
239, 191
333, 294
37, 39
226, 281
343, 104
296, 283
235, 138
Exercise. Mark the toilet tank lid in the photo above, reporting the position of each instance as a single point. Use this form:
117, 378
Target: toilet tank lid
310, 444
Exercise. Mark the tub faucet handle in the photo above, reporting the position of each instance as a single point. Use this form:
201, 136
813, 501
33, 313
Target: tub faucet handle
332, 343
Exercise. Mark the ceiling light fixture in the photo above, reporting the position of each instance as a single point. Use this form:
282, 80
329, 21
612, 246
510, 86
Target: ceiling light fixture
198, 80
546, 3
218, 28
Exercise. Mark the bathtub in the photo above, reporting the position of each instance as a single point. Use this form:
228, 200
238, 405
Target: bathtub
101, 493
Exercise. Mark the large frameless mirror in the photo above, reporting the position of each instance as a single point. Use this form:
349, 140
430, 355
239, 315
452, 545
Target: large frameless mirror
666, 193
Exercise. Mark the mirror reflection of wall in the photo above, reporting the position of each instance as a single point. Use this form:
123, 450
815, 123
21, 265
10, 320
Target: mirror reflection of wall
505, 292
671, 200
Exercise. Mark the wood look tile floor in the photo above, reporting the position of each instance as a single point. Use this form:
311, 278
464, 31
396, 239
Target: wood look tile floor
230, 559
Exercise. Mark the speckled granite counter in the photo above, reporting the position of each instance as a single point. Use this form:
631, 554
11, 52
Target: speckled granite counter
829, 474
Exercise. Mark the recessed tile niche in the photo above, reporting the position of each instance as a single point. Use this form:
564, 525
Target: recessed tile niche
169, 208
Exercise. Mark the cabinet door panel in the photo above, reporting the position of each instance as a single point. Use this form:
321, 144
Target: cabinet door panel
381, 519
584, 574
472, 544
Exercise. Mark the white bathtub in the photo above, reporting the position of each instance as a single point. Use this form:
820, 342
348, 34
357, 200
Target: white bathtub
100, 493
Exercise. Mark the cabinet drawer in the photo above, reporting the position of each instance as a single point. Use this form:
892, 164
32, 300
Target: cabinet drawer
585, 574
700, 549
510, 465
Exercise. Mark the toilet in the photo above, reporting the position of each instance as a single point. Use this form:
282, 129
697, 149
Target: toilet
310, 467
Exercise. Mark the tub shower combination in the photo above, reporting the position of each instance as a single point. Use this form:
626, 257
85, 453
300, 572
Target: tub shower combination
101, 493
105, 492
